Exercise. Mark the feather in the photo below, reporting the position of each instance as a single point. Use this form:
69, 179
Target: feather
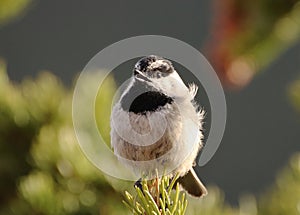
192, 184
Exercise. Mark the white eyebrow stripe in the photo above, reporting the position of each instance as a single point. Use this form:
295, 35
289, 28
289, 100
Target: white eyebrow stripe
158, 63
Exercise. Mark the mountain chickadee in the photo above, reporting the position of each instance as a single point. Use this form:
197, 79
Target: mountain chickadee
156, 124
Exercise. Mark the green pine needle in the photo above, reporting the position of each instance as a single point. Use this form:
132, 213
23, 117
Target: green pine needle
157, 198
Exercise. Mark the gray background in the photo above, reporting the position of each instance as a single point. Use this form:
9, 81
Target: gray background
262, 128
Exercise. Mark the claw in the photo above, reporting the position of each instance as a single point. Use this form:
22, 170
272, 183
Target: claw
138, 184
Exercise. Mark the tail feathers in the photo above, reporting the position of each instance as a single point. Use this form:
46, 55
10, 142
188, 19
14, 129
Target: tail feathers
192, 184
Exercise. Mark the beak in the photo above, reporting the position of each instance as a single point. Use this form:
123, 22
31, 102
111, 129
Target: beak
140, 76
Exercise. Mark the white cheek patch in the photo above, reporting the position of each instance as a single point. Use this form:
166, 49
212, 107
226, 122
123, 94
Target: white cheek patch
172, 85
175, 76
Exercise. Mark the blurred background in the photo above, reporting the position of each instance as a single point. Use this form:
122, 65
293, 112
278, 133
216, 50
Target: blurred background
253, 46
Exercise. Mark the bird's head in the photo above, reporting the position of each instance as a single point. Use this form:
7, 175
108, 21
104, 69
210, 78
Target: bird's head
152, 67
159, 73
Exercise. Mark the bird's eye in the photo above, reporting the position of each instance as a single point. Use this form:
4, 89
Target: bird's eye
164, 69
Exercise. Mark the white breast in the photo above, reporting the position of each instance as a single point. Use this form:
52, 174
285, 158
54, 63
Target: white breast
173, 134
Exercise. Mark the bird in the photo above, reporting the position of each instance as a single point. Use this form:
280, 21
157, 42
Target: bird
157, 125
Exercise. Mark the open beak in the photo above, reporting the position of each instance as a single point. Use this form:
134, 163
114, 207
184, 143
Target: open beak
140, 76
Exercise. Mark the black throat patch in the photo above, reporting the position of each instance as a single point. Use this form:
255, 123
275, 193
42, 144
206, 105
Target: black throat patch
143, 98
